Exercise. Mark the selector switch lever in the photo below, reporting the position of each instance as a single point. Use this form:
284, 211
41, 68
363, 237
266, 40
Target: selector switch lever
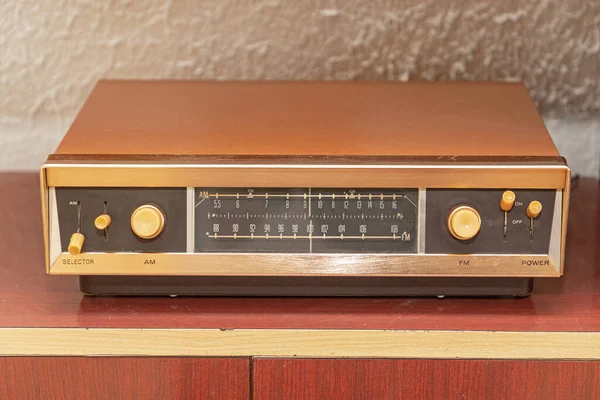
76, 243
77, 239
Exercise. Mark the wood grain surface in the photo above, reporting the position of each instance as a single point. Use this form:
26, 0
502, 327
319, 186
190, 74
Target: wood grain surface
30, 298
299, 343
315, 118
424, 379
124, 378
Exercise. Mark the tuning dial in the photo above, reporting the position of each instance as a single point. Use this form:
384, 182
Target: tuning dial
464, 222
76, 243
147, 221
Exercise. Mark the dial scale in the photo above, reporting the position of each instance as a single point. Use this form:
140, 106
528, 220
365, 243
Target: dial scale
306, 220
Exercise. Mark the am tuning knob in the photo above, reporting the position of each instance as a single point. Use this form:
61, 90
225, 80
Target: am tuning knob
464, 222
147, 221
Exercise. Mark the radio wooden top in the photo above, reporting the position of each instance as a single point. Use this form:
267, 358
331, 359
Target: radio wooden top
308, 118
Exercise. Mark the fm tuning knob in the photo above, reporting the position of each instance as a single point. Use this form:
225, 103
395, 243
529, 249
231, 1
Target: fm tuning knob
147, 221
464, 222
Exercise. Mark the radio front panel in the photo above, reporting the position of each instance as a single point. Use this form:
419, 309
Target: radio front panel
210, 230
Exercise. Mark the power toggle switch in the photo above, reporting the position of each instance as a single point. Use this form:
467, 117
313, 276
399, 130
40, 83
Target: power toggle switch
147, 221
507, 202
464, 222
533, 210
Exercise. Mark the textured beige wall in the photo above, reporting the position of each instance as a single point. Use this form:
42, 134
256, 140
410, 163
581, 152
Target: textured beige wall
52, 52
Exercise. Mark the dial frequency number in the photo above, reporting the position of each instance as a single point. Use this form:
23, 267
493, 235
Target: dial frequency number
299, 220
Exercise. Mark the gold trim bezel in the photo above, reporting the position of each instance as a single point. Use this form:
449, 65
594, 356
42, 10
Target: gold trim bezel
308, 175
269, 264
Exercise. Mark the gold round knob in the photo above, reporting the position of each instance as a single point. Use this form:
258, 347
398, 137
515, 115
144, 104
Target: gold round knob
534, 209
464, 222
508, 200
76, 243
147, 221
102, 221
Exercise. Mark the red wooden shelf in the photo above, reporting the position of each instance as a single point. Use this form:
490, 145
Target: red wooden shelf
276, 378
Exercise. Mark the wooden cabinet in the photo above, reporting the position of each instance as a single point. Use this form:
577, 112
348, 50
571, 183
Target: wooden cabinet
164, 378
424, 379
114, 378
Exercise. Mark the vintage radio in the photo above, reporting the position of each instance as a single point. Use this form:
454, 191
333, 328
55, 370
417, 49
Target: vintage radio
306, 188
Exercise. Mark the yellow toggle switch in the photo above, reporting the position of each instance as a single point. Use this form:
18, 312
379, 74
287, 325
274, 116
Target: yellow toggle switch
76, 243
534, 209
102, 221
508, 200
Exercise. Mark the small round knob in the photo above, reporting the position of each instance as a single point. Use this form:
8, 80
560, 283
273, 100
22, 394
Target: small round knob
102, 221
464, 222
508, 200
76, 243
534, 209
147, 221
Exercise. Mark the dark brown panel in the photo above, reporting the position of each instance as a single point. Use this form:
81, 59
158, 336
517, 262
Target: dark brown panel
124, 378
120, 204
424, 379
490, 239
30, 298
